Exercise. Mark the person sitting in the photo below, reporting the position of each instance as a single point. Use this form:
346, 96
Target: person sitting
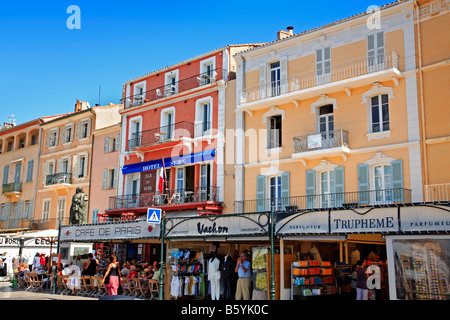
133, 273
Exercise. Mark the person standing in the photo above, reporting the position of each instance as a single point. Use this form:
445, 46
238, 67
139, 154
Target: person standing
112, 276
103, 264
36, 262
244, 281
91, 268
362, 292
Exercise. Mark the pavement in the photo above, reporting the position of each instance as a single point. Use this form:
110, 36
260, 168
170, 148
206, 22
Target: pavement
9, 293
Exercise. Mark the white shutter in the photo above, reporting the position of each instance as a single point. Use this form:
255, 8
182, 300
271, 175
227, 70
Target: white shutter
117, 143
63, 135
86, 165
262, 81
78, 130
116, 177
75, 167
44, 172
284, 74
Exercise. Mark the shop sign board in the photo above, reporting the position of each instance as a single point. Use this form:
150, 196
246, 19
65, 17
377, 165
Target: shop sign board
364, 220
35, 242
137, 229
221, 226
426, 218
306, 223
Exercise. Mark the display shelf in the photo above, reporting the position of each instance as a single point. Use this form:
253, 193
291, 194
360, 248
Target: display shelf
312, 278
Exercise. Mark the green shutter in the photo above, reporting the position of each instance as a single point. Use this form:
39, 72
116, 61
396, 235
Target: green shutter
285, 194
363, 183
310, 189
397, 180
260, 193
339, 186
5, 174
30, 170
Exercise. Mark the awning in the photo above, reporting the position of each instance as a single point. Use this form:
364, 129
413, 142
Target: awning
170, 162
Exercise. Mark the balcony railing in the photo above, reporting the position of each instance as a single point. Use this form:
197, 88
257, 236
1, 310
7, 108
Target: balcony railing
320, 141
171, 89
437, 192
331, 200
171, 197
14, 187
59, 178
312, 79
168, 133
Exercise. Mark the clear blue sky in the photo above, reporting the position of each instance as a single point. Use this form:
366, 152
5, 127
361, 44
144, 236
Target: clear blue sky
45, 67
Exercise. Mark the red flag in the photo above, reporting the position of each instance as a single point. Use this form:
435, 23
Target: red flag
161, 181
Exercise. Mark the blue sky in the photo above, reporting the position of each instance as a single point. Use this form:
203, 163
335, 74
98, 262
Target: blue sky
45, 67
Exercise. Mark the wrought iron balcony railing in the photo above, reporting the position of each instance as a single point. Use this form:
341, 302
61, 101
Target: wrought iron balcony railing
330, 200
59, 178
15, 187
168, 133
171, 89
170, 197
319, 141
348, 70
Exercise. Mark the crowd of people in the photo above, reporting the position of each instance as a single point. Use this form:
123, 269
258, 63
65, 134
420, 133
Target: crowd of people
110, 270
360, 276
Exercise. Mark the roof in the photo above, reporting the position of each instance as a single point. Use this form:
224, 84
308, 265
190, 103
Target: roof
192, 59
309, 31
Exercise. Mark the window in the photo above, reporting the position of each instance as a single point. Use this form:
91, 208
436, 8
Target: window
81, 166
274, 132
67, 134
84, 133
46, 209
21, 142
203, 116
375, 51
205, 182
65, 166
326, 122
383, 183
18, 172
206, 118
275, 78
112, 144
134, 132
171, 79
95, 213
10, 145
110, 178
326, 188
28, 209
167, 125
323, 65
380, 113
180, 180
275, 192
53, 138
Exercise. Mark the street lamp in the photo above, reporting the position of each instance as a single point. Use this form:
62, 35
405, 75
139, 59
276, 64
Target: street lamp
272, 271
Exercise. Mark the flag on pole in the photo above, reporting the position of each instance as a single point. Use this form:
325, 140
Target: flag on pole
161, 181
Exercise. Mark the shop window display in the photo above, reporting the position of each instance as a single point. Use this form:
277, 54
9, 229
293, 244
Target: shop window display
422, 269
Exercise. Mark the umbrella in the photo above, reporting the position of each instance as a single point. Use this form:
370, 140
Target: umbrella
50, 235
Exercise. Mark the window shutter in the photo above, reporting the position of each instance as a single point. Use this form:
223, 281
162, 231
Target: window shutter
262, 80
397, 180
75, 167
285, 194
19, 210
310, 189
18, 171
78, 130
339, 186
363, 183
260, 194
30, 210
106, 144
7, 211
30, 170
116, 177
44, 172
86, 161
49, 135
94, 216
5, 174
63, 135
88, 128
105, 179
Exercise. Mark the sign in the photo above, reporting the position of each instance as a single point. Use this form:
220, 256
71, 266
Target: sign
135, 229
225, 225
37, 242
426, 218
169, 162
154, 215
306, 223
314, 141
364, 220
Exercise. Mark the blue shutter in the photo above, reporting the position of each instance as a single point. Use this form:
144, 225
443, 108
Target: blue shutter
30, 210
260, 194
397, 180
30, 170
5, 174
363, 184
94, 216
285, 200
339, 186
18, 172
310, 189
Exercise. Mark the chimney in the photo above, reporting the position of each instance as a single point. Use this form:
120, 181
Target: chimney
81, 105
282, 34
8, 124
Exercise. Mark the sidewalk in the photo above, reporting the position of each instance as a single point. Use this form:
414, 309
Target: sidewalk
8, 293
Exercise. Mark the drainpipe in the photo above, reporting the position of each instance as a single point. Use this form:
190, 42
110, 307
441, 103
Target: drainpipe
422, 102
37, 174
90, 167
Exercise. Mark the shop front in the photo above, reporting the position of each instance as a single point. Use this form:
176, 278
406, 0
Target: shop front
202, 253
328, 243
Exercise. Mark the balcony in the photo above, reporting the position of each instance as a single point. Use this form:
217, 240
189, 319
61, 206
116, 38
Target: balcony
437, 193
190, 83
336, 78
14, 188
319, 145
324, 201
172, 199
58, 179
